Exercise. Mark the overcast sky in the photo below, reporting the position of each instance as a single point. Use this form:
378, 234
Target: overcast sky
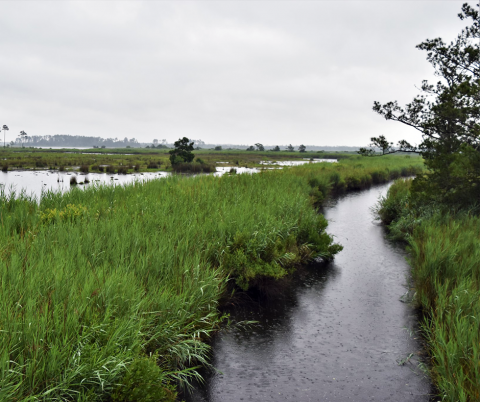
237, 72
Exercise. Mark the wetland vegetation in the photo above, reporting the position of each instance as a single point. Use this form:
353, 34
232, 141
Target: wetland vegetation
437, 213
444, 248
129, 160
112, 292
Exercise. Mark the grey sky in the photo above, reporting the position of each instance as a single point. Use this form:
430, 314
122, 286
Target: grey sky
237, 72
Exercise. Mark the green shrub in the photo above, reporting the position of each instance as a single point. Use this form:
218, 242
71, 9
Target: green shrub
144, 381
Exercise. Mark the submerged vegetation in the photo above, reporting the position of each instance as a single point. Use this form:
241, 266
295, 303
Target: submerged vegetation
111, 292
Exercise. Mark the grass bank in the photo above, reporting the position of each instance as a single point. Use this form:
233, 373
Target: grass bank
110, 293
445, 258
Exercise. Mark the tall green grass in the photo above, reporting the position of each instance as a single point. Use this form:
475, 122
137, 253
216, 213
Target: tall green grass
356, 173
445, 258
94, 280
110, 293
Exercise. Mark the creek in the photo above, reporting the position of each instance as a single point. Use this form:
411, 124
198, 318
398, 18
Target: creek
336, 332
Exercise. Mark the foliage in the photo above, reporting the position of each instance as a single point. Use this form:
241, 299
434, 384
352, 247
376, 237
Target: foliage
444, 253
302, 148
290, 148
182, 153
447, 115
89, 292
144, 381
260, 147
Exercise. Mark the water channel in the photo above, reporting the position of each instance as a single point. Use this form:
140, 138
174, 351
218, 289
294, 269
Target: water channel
339, 332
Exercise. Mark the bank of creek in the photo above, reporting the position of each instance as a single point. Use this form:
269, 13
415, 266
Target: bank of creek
338, 332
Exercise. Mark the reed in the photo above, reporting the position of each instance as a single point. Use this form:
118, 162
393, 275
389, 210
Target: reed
110, 292
93, 280
444, 251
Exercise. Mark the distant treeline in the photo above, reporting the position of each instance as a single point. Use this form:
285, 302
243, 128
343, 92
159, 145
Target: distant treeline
65, 140
70, 141
310, 148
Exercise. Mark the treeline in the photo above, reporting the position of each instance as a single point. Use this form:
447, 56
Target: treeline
66, 140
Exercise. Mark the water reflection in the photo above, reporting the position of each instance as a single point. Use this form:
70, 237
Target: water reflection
336, 334
35, 182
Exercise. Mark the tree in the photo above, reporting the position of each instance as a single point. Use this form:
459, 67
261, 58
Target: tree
4, 128
22, 136
290, 148
218, 148
447, 114
260, 147
182, 151
251, 148
302, 148
276, 149
378, 142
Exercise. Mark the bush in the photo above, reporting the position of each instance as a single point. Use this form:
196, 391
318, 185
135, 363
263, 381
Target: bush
73, 181
84, 169
144, 381
40, 164
5, 168
193, 168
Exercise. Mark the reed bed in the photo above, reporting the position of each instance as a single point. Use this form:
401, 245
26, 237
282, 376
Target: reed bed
355, 173
445, 258
94, 282
109, 293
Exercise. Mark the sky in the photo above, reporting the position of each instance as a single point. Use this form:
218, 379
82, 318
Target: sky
226, 72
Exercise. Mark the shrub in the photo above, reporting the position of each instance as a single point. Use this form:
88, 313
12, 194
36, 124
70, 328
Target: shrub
146, 382
73, 181
84, 169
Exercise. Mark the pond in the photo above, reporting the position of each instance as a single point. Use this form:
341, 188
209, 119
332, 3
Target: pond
34, 182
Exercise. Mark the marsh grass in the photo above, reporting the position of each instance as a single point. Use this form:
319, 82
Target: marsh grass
93, 280
142, 159
444, 251
99, 284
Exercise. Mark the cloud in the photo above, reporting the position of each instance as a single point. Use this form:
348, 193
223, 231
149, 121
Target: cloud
226, 72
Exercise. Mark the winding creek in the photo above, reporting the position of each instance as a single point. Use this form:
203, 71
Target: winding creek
336, 332
339, 333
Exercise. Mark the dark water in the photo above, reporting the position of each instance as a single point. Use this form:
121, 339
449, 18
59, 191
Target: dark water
338, 333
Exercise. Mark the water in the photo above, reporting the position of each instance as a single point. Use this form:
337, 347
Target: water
34, 182
336, 333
